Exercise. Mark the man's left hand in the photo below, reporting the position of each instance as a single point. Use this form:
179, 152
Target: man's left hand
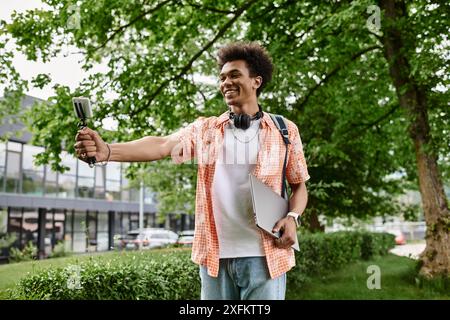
288, 229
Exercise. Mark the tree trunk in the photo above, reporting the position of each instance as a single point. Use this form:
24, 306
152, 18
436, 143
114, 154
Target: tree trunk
312, 221
435, 259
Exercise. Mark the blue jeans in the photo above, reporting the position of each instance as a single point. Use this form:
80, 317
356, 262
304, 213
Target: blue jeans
244, 278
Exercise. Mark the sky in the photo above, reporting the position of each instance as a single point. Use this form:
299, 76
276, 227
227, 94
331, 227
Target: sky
65, 70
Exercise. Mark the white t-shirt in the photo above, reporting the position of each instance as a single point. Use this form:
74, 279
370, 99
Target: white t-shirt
232, 205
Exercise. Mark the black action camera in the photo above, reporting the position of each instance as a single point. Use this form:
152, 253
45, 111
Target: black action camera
82, 107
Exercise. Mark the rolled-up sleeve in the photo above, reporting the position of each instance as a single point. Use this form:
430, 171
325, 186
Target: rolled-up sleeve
296, 169
188, 138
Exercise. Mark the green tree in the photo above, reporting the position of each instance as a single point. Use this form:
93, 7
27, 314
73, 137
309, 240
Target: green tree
370, 100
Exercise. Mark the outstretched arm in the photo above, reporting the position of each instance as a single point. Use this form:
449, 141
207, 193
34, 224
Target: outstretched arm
149, 148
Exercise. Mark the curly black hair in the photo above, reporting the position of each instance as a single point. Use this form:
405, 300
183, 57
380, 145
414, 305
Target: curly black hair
257, 58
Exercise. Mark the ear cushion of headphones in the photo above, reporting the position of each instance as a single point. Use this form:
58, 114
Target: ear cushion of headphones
242, 121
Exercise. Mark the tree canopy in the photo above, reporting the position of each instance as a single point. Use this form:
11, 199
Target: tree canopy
331, 78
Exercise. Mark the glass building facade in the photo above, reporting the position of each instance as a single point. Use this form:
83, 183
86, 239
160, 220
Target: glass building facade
84, 207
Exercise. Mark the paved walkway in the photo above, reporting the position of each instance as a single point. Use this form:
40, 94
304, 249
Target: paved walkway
409, 250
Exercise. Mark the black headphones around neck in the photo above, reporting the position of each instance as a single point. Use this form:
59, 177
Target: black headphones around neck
242, 120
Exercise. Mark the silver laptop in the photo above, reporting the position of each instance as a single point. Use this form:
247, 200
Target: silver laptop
268, 207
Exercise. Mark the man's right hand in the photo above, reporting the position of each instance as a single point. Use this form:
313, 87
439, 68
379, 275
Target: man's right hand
90, 144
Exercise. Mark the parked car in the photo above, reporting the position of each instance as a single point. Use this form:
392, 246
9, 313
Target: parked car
186, 238
400, 238
121, 241
149, 238
118, 241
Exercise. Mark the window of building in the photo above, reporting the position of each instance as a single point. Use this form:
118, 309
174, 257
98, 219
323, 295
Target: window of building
84, 170
59, 224
149, 196
2, 154
29, 226
125, 222
67, 180
15, 225
85, 187
134, 221
54, 229
13, 171
51, 187
2, 165
69, 161
113, 172
79, 231
3, 229
33, 182
68, 236
150, 220
29, 154
102, 231
92, 231
49, 234
3, 220
14, 146
24, 224
134, 194
99, 192
66, 186
112, 190
124, 188
33, 175
118, 227
85, 180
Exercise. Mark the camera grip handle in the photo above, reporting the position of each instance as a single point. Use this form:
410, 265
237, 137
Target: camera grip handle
91, 160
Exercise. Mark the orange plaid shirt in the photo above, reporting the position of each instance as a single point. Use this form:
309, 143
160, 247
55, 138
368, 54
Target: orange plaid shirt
201, 142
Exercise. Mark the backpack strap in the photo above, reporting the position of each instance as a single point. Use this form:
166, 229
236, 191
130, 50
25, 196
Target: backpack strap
280, 122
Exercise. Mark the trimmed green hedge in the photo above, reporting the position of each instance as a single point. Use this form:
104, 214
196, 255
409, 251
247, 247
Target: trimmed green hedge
324, 252
150, 275
137, 275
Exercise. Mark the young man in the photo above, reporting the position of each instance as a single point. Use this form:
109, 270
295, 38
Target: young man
237, 260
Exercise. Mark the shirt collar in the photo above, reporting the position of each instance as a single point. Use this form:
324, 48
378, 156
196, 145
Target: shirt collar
265, 120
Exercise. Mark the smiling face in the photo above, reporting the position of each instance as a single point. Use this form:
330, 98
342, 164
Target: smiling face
237, 85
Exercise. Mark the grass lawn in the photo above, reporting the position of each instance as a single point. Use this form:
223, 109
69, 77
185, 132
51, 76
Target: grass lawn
397, 282
397, 278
